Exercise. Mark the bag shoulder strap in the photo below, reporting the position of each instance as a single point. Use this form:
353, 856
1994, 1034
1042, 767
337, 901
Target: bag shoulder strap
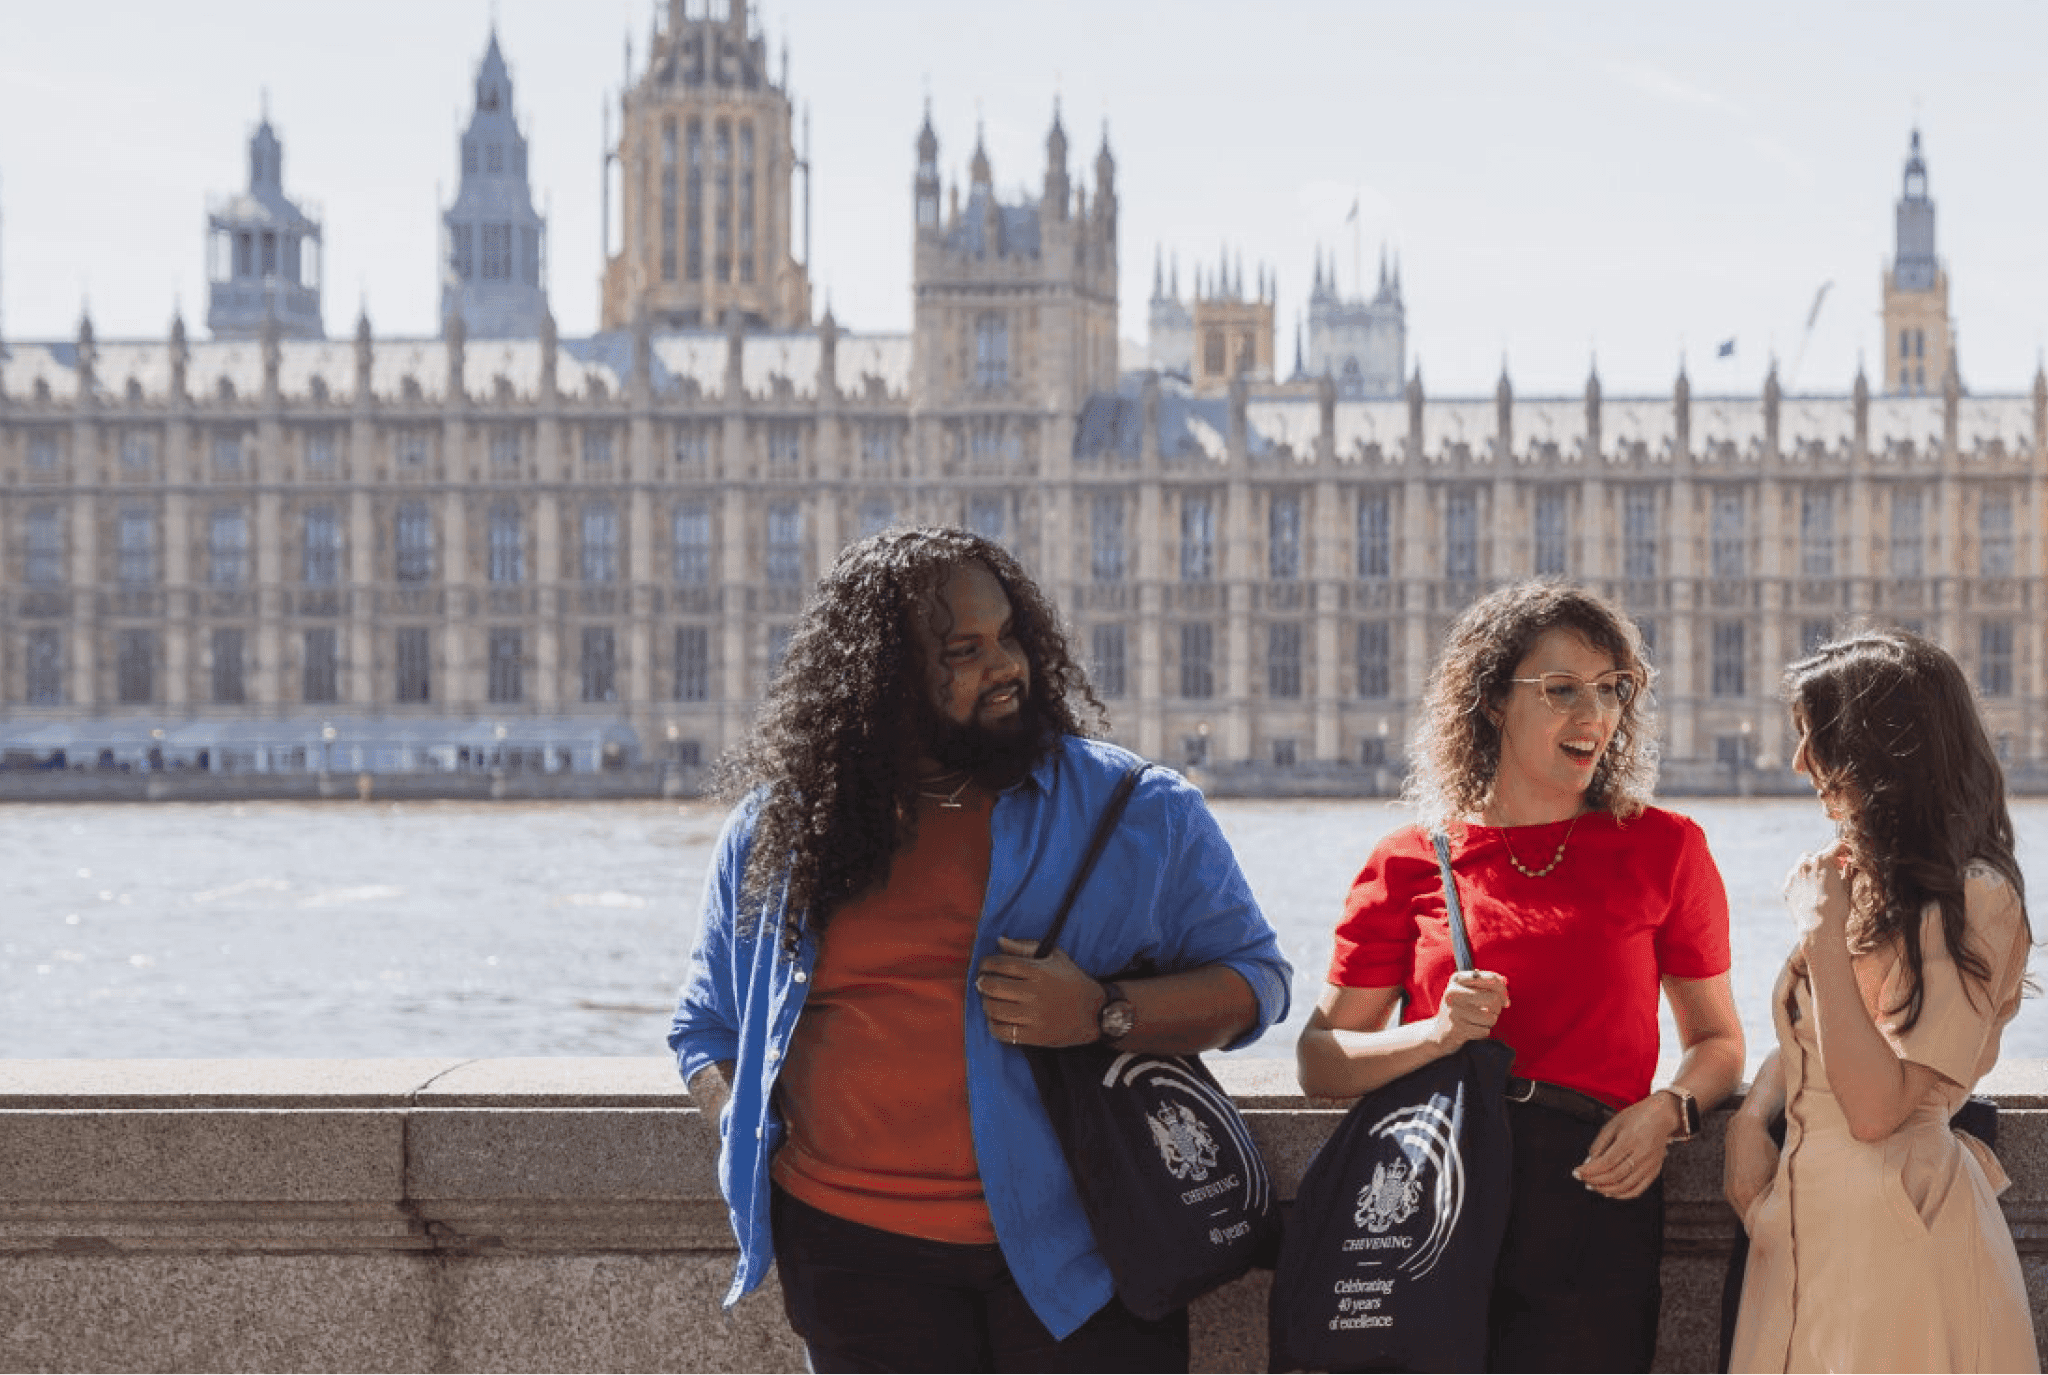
1104, 828
1461, 944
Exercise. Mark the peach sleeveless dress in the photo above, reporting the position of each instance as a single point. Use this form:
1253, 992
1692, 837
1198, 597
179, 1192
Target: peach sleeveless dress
1893, 1255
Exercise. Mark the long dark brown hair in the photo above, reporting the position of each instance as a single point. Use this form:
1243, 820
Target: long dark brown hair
1456, 751
833, 749
1895, 743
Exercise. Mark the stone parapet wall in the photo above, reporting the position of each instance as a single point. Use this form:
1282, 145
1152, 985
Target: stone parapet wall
556, 1214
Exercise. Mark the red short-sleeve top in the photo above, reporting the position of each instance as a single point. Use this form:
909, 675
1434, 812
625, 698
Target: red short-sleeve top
1583, 949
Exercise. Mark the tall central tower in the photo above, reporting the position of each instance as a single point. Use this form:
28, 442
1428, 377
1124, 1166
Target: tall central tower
1919, 344
705, 169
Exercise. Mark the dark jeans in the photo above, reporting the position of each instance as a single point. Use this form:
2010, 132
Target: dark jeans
863, 1299
1577, 1284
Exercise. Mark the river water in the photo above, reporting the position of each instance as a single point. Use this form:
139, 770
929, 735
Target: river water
504, 929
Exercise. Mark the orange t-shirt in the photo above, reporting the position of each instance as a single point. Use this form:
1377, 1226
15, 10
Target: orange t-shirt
874, 1090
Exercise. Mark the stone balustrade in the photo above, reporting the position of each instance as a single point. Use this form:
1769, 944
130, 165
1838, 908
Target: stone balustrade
558, 1214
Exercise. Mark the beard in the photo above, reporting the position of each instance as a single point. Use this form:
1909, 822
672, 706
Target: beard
996, 755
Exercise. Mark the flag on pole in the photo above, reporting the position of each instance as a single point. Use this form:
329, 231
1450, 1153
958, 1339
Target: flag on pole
1727, 349
1818, 297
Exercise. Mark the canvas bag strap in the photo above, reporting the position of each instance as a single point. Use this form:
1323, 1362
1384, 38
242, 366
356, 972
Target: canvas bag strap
1461, 945
1104, 828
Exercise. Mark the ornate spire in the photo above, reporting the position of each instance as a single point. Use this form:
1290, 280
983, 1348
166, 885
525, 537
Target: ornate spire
978, 169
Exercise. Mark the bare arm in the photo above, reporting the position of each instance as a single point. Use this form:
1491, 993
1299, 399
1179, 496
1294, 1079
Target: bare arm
1749, 1158
710, 1087
1349, 1048
1711, 1031
1877, 1090
1054, 1002
1628, 1154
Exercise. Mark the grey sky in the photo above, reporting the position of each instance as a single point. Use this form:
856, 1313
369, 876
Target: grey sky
1561, 182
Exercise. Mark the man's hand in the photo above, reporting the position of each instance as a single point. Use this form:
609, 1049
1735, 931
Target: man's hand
710, 1089
1048, 1002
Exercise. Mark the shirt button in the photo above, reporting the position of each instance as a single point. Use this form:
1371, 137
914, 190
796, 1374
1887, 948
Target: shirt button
757, 1133
774, 1054
802, 977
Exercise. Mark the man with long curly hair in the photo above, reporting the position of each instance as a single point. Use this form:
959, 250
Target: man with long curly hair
918, 791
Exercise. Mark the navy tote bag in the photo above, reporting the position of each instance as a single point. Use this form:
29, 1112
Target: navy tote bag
1388, 1256
1172, 1182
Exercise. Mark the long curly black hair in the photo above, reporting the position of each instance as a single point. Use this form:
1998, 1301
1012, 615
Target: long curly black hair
834, 744
1895, 741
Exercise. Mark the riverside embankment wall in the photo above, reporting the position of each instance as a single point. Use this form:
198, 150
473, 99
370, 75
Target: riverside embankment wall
558, 1214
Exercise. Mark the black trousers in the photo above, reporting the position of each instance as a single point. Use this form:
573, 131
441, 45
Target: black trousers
864, 1299
1577, 1285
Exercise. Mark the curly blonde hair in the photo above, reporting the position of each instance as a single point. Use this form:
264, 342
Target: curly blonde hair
1456, 749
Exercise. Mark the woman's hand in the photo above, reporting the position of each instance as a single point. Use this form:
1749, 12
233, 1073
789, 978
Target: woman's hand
1749, 1161
1817, 890
1628, 1154
1472, 1003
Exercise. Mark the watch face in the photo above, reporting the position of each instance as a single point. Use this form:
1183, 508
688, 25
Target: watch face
1117, 1019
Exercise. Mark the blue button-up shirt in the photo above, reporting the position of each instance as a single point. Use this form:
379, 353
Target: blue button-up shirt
1167, 889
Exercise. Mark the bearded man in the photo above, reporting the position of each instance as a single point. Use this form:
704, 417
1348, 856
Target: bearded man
917, 793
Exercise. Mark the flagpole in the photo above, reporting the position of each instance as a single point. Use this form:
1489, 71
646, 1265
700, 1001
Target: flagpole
1357, 247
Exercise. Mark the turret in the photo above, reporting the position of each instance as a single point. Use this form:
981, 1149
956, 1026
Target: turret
494, 242
925, 194
263, 253
1105, 186
1057, 191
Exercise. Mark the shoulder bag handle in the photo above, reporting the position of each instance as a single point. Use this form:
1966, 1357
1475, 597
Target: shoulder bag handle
1461, 944
1104, 828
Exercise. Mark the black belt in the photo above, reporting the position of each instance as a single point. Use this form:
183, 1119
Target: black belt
1570, 1102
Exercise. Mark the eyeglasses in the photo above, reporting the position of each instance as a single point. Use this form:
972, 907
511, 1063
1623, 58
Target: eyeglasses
1565, 693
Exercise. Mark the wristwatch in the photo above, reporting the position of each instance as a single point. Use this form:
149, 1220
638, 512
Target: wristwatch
1117, 1017
1688, 1111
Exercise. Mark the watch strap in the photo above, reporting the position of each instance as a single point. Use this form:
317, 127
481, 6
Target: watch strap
1688, 1112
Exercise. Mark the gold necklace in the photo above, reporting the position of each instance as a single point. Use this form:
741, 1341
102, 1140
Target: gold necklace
949, 801
1555, 859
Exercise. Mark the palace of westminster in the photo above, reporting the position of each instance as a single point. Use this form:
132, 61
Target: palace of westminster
502, 548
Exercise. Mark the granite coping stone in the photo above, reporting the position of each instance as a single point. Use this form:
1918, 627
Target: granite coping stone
284, 1155
563, 1081
168, 1084
589, 1081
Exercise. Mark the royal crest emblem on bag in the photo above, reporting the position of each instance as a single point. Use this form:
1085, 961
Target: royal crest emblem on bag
1390, 1199
1184, 1143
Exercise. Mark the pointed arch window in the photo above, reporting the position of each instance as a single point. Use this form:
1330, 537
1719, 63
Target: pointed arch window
693, 202
507, 565
721, 210
494, 242
746, 208
668, 199
413, 543
320, 560
991, 351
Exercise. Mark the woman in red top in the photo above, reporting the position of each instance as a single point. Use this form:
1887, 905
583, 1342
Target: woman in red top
1582, 902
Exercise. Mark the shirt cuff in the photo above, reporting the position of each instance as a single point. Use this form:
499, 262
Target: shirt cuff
1270, 989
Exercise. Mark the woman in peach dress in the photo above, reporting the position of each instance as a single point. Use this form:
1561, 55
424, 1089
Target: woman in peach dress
1876, 1242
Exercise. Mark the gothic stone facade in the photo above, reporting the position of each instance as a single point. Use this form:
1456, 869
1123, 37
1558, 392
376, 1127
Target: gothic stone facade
619, 531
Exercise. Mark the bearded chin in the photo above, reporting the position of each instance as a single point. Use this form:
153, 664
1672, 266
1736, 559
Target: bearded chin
996, 755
